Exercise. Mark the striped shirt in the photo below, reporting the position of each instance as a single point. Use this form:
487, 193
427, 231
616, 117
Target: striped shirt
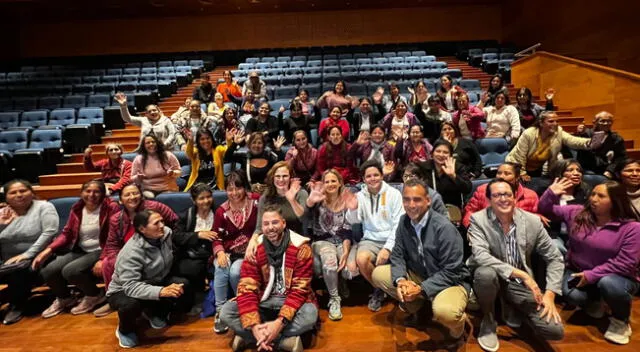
512, 256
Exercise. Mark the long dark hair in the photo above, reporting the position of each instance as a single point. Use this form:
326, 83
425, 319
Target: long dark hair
202, 153
583, 189
493, 90
620, 208
162, 156
342, 148
527, 93
444, 91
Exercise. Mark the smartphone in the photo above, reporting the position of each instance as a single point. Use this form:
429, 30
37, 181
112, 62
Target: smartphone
573, 282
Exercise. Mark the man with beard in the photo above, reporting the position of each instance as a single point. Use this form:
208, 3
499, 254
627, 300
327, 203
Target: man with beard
503, 241
275, 303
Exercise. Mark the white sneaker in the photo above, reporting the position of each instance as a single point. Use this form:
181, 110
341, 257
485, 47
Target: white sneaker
58, 306
618, 332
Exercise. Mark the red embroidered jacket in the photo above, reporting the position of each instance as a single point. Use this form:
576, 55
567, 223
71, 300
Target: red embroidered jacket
257, 280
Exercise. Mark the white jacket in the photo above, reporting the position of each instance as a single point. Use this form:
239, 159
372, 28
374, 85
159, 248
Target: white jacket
379, 214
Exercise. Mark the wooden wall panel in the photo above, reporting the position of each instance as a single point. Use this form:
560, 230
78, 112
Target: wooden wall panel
584, 88
601, 32
251, 31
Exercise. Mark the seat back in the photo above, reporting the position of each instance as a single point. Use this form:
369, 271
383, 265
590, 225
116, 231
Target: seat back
62, 117
75, 101
46, 139
90, 115
13, 140
34, 118
50, 103
9, 119
63, 208
98, 100
492, 145
179, 202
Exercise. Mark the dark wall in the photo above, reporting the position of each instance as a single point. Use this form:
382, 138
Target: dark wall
601, 32
252, 31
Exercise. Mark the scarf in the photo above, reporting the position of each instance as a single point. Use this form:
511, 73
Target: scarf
275, 254
634, 197
376, 152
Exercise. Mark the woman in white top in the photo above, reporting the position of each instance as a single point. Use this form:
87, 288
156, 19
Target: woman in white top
154, 122
77, 252
216, 108
503, 120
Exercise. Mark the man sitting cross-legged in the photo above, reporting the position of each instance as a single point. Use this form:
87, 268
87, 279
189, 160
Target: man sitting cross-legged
426, 262
275, 303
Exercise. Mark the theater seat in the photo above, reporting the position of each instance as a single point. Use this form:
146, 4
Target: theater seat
35, 118
63, 208
179, 202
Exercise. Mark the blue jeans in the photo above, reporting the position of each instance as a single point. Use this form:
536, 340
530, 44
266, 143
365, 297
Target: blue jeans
221, 280
304, 320
617, 291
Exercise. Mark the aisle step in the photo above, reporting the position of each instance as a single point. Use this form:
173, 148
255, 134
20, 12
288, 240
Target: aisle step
67, 178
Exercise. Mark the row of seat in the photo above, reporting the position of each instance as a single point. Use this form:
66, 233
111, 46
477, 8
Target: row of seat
55, 117
419, 62
386, 54
31, 76
69, 102
196, 64
421, 67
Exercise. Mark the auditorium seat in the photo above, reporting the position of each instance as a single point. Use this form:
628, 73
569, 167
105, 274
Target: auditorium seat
74, 101
25, 103
9, 119
34, 118
63, 208
62, 117
149, 71
50, 103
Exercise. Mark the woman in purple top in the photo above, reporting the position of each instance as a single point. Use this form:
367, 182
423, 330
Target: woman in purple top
604, 252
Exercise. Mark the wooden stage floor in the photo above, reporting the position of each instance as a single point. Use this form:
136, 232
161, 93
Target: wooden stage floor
360, 330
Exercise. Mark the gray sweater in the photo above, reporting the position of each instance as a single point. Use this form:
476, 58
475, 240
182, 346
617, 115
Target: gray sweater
141, 267
294, 223
31, 233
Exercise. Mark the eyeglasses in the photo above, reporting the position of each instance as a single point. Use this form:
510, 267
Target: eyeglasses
408, 176
521, 95
501, 195
605, 122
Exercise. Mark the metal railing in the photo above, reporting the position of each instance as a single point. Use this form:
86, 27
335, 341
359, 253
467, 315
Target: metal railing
528, 51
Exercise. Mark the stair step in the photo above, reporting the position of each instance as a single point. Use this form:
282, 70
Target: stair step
50, 192
69, 168
633, 153
67, 178
124, 133
128, 147
128, 139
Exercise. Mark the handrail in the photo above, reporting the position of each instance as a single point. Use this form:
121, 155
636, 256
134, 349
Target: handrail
532, 49
571, 60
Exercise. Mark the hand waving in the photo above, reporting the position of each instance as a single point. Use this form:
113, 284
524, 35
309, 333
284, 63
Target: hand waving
350, 200
294, 188
317, 193
238, 137
560, 186
389, 168
449, 167
363, 138
550, 93
121, 98
278, 142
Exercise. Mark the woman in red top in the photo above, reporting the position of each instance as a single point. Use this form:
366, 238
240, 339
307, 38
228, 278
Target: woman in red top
77, 251
468, 118
302, 157
234, 221
526, 199
230, 90
116, 171
414, 149
335, 119
334, 154
121, 226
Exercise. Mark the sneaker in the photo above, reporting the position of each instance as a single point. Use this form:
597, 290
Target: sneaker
13, 315
291, 344
103, 311
375, 302
87, 303
618, 332
155, 321
334, 308
595, 309
238, 344
218, 326
129, 340
58, 306
487, 336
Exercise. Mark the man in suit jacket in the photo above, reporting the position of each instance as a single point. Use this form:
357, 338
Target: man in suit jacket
426, 262
503, 240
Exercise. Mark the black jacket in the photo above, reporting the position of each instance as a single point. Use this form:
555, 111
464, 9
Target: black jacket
466, 153
186, 226
596, 160
452, 191
441, 263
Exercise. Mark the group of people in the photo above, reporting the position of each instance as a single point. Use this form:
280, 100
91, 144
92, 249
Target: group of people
390, 207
